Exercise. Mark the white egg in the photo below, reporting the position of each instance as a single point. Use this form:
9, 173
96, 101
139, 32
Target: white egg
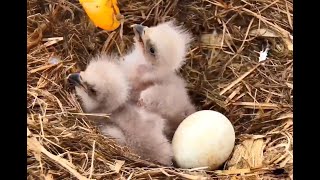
204, 139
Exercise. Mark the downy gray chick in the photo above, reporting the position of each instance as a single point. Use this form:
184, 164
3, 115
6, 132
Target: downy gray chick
158, 53
104, 88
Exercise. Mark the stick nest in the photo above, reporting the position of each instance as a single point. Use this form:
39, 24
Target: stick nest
222, 70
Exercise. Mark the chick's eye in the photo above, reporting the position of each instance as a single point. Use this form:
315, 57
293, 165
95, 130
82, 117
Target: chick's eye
92, 91
152, 51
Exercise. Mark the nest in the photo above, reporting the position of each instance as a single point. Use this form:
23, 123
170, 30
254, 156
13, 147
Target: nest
222, 70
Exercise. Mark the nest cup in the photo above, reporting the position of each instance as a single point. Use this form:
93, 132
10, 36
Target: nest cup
222, 70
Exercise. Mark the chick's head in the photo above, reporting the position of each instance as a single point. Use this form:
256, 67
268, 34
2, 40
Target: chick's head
164, 45
101, 86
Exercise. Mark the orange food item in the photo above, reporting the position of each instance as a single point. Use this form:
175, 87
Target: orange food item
103, 13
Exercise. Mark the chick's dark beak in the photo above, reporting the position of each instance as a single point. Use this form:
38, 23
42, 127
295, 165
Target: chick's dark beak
74, 79
138, 29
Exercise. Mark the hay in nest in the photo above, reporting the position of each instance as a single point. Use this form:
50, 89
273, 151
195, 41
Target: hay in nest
222, 71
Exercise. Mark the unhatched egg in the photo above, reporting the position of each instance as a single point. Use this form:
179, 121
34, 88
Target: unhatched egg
204, 139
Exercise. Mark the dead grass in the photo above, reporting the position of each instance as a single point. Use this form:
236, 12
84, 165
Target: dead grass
223, 74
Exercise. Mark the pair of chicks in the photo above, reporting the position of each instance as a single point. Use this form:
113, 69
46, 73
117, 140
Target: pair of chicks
146, 98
